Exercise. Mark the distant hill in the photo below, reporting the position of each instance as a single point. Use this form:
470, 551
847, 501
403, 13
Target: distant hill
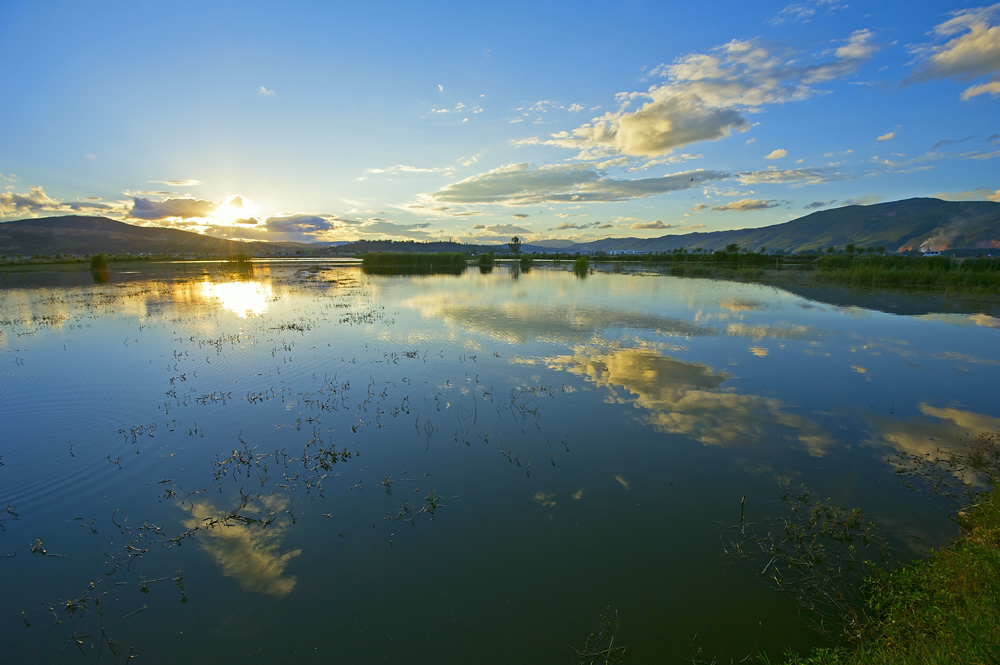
899, 226
76, 234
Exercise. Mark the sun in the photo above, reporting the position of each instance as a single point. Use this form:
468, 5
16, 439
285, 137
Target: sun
234, 208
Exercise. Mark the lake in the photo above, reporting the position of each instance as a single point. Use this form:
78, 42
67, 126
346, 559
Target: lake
304, 463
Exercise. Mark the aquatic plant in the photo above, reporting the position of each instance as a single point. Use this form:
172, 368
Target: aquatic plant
581, 266
99, 262
413, 263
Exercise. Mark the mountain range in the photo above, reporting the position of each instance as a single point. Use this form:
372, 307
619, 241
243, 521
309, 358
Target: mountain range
918, 224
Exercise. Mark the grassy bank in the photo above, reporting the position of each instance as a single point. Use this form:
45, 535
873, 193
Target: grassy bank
942, 273
942, 610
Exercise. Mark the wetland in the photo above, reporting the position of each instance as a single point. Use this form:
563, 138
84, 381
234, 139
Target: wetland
301, 461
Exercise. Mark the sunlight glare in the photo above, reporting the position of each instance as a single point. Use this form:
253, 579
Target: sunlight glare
245, 299
235, 208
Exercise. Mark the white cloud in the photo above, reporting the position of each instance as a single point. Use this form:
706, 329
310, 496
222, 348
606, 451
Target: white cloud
501, 229
777, 154
264, 92
177, 183
744, 205
992, 88
707, 94
524, 184
37, 202
774, 176
651, 226
402, 168
972, 50
887, 137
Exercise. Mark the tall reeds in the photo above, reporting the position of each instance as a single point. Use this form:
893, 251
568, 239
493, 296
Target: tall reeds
407, 263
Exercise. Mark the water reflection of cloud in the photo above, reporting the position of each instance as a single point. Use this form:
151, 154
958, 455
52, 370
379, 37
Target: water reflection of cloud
943, 428
517, 322
735, 305
249, 553
984, 320
689, 398
759, 332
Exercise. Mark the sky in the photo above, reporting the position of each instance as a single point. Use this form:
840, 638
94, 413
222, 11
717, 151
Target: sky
476, 122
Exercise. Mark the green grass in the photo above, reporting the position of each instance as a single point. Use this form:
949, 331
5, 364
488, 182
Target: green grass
905, 272
581, 266
945, 609
413, 263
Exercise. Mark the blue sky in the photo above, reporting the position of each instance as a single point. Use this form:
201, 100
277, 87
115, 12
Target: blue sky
315, 121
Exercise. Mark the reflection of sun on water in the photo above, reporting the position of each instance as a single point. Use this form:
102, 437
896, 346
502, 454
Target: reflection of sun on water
245, 299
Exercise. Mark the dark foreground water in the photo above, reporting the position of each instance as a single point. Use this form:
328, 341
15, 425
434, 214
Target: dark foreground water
310, 465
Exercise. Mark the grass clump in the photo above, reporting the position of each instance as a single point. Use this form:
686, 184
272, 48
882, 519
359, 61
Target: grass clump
413, 263
581, 266
99, 262
241, 260
945, 609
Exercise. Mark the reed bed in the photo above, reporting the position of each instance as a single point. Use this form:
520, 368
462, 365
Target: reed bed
407, 263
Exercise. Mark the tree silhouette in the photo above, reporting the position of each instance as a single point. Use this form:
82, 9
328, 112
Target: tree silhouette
515, 246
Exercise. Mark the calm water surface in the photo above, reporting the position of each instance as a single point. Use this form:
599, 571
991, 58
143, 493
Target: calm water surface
309, 464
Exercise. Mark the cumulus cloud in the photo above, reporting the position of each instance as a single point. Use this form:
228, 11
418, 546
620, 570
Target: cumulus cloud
575, 225
670, 120
777, 154
651, 226
744, 205
264, 92
525, 184
971, 50
501, 229
185, 208
886, 137
36, 202
699, 207
707, 94
32, 203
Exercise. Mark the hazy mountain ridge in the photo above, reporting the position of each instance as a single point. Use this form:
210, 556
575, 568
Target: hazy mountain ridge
911, 224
